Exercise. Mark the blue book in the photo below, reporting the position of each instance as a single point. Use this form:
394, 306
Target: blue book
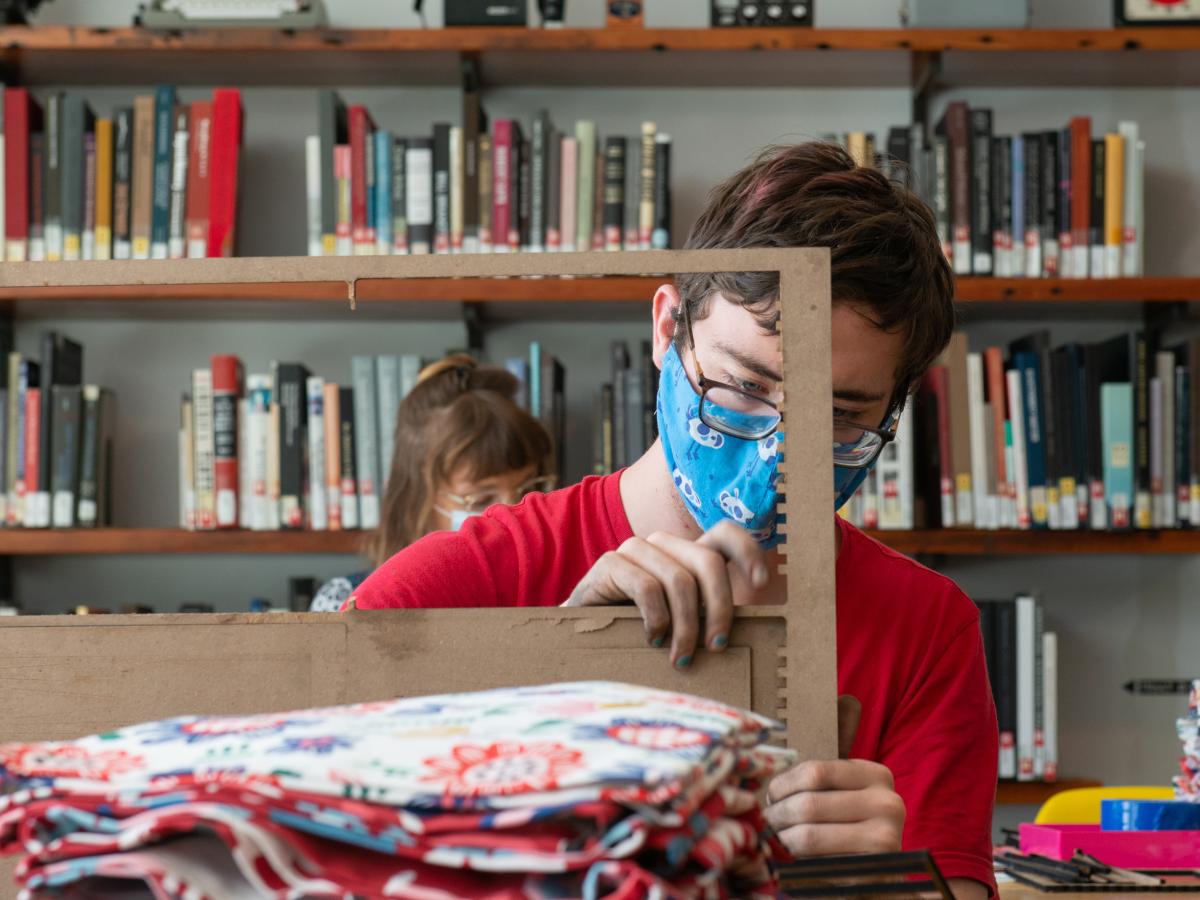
370, 198
1029, 367
535, 378
164, 136
1116, 428
1018, 204
383, 191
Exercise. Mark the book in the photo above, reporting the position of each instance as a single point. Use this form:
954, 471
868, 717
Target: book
31, 462
27, 446
258, 389
122, 189
1097, 260
895, 476
522, 178
160, 205
343, 242
274, 465
1140, 367
366, 430
1156, 452
1050, 706
940, 158
245, 482
1039, 692
980, 191
387, 394
1133, 199
474, 127
312, 195
1033, 204
1182, 448
204, 473
646, 180
360, 125
77, 120
88, 241
1016, 445
1018, 205
22, 118
1006, 516
554, 191
187, 482
3, 176
959, 418
385, 143
177, 219
539, 195
62, 363
399, 183
568, 189
1114, 212
330, 478
614, 192
955, 127
199, 179
227, 388
660, 238
1006, 686
37, 197
349, 457
103, 214
983, 502
1193, 363
12, 415
585, 140
1039, 345
95, 464
418, 191
1028, 366
1165, 516
1066, 242
441, 188
504, 141
291, 384
1116, 422
332, 130
1002, 211
1049, 177
1081, 181
1026, 617
457, 200
314, 482
67, 406
52, 173
225, 154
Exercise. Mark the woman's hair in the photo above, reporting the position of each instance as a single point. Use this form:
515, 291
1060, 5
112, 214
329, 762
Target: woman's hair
460, 417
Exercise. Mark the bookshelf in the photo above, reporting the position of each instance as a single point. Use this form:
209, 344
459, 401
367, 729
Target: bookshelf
1030, 793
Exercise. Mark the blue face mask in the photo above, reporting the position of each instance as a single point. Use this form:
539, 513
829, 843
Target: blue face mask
718, 476
845, 482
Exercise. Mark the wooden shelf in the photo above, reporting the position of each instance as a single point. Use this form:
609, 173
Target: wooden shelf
1032, 793
146, 541
969, 542
1076, 290
256, 56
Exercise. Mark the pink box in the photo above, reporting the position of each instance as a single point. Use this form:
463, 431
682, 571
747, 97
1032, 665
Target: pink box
1124, 849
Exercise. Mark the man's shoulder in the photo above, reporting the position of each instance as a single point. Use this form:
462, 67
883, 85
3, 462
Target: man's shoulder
591, 507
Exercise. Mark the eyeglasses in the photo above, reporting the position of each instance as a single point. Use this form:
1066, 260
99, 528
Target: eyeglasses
740, 414
478, 501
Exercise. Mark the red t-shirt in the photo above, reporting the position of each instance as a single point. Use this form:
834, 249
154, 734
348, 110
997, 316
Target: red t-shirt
908, 641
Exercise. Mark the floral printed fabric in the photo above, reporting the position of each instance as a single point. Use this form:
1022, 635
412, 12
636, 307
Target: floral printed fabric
1187, 782
584, 790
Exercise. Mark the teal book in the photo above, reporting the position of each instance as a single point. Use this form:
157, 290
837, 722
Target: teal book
384, 142
535, 378
164, 136
1116, 426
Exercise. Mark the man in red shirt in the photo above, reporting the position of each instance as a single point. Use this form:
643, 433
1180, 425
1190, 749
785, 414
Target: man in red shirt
690, 524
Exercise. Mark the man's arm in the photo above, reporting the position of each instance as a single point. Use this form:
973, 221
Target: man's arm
966, 889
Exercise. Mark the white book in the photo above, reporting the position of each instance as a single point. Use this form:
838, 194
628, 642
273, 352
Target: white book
895, 480
979, 469
1026, 701
1020, 470
318, 512
274, 522
258, 389
387, 393
187, 489
1050, 705
1009, 506
366, 425
245, 483
204, 473
312, 192
992, 491
418, 192
177, 235
457, 174
1033, 251
1131, 208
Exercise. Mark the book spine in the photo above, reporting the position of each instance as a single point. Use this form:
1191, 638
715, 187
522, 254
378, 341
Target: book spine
646, 180
1034, 197
366, 443
419, 196
1166, 431
384, 192
177, 230
160, 216
71, 172
1017, 165
367, 245
1116, 409
1035, 437
1066, 241
1097, 261
981, 187
598, 201
502, 148
332, 474
518, 179
400, 197
569, 191
1141, 366
274, 462
473, 124
660, 238
52, 179
1039, 694
1183, 403
227, 383
1156, 453
487, 183
13, 412
123, 184
259, 389
387, 393
1081, 187
291, 381
358, 137
1049, 185
312, 194
187, 448
343, 242
553, 191
1132, 200
37, 197
997, 394
614, 192
33, 464
18, 110
1016, 419
1006, 686
940, 387
585, 183
203, 431
1050, 706
958, 133
539, 195
1114, 194
17, 502
318, 512
978, 444
331, 131
1001, 192
457, 188
65, 480
199, 179
1025, 613
941, 195
959, 414
1193, 365
103, 221
349, 458
225, 155
88, 249
441, 188
245, 479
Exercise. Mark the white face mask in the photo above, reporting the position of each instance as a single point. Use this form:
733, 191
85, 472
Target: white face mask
457, 516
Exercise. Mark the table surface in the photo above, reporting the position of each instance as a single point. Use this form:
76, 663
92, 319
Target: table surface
1025, 892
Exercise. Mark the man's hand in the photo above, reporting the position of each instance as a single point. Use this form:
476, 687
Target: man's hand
671, 579
837, 807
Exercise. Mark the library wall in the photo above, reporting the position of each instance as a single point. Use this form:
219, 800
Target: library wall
1118, 617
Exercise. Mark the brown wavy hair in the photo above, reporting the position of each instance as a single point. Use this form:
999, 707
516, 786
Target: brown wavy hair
460, 414
885, 250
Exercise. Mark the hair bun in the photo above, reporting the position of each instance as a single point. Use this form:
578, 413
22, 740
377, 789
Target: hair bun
459, 363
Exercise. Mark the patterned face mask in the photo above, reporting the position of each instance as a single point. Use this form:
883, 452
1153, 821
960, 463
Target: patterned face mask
719, 477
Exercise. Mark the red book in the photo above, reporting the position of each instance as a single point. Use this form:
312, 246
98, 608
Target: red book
225, 151
227, 380
22, 115
361, 128
502, 150
993, 363
33, 430
199, 144
1081, 187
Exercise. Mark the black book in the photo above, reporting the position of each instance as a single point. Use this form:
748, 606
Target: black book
1183, 439
474, 123
66, 405
95, 462
399, 197
1065, 240
619, 355
1002, 211
1066, 435
604, 431
1096, 220
37, 196
441, 188
927, 461
122, 175
164, 134
1005, 686
981, 191
940, 191
554, 189
1049, 218
349, 449
899, 155
52, 178
987, 629
524, 182
614, 191
332, 129
538, 183
1076, 423
1143, 357
1093, 377
62, 364
291, 381
650, 404
78, 120
1038, 344
635, 398
1034, 196
660, 237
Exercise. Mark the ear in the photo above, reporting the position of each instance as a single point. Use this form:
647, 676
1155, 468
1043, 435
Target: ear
666, 305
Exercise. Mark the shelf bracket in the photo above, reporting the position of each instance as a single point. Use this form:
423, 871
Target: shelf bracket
473, 322
926, 80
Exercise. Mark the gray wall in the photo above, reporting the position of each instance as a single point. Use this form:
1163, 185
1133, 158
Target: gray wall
1117, 616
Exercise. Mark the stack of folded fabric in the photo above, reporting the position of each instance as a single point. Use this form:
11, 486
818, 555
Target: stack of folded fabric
1187, 782
588, 789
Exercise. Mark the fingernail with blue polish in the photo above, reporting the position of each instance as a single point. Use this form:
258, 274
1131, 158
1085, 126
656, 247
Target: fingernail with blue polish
683, 662
720, 641
658, 641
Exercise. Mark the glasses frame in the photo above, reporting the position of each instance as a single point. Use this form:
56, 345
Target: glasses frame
523, 490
